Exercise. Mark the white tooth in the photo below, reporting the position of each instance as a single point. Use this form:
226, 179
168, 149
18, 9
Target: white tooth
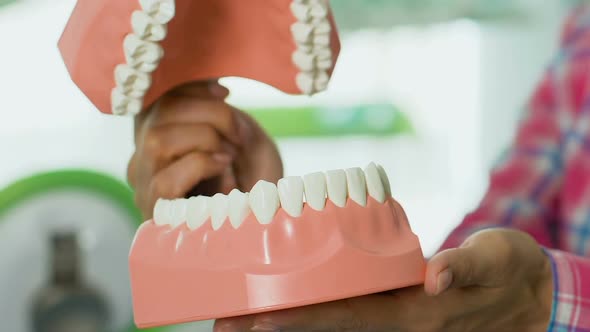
323, 53
357, 186
178, 212
197, 211
264, 201
162, 212
125, 105
321, 81
135, 80
384, 180
374, 184
137, 94
291, 195
238, 207
162, 11
319, 9
139, 51
301, 12
315, 190
336, 185
304, 61
305, 82
146, 67
322, 27
302, 32
324, 64
219, 210
322, 40
146, 27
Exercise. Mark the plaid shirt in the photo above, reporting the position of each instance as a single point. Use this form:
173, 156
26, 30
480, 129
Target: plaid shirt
542, 186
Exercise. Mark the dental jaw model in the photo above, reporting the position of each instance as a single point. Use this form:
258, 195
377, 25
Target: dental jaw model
323, 237
124, 55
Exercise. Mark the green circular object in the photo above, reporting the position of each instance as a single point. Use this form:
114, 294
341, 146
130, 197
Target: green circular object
102, 185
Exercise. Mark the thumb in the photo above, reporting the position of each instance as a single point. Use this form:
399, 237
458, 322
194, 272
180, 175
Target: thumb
476, 263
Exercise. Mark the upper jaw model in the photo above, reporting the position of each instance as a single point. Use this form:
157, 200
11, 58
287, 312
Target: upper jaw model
317, 238
126, 54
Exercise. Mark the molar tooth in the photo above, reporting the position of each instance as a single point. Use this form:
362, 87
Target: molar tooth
162, 212
315, 190
304, 61
291, 195
136, 80
197, 211
302, 32
324, 64
139, 51
357, 186
337, 188
162, 11
219, 210
238, 207
384, 180
178, 212
322, 27
321, 81
305, 82
322, 40
375, 186
302, 12
123, 104
146, 27
264, 201
319, 9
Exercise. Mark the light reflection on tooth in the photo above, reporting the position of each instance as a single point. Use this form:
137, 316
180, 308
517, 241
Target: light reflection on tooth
238, 207
336, 187
384, 180
136, 80
357, 187
197, 211
146, 27
315, 190
219, 210
162, 11
375, 186
264, 201
291, 195
162, 212
178, 212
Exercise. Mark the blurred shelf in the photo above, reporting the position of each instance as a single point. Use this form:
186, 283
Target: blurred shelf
305, 122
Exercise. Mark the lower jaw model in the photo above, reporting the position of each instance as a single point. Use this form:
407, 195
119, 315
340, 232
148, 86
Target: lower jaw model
317, 238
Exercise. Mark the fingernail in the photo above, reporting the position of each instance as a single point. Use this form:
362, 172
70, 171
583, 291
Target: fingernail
265, 327
222, 157
443, 281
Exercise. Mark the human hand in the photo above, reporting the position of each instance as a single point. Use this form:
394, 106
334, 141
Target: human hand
193, 143
498, 280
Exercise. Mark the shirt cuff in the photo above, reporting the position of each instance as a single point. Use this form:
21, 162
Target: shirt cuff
571, 292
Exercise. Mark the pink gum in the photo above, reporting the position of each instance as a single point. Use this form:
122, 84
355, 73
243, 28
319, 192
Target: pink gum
180, 275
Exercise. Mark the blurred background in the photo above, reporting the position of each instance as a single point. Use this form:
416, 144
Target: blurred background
430, 89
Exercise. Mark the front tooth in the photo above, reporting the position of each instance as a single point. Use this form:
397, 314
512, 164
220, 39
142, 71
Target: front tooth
264, 201
384, 180
374, 184
162, 212
178, 212
291, 195
238, 207
162, 11
219, 210
302, 32
146, 27
304, 61
336, 185
134, 79
139, 51
357, 187
305, 82
315, 190
301, 11
197, 211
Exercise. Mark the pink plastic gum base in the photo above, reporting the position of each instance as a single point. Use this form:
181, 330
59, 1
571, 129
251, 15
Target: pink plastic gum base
179, 275
206, 40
